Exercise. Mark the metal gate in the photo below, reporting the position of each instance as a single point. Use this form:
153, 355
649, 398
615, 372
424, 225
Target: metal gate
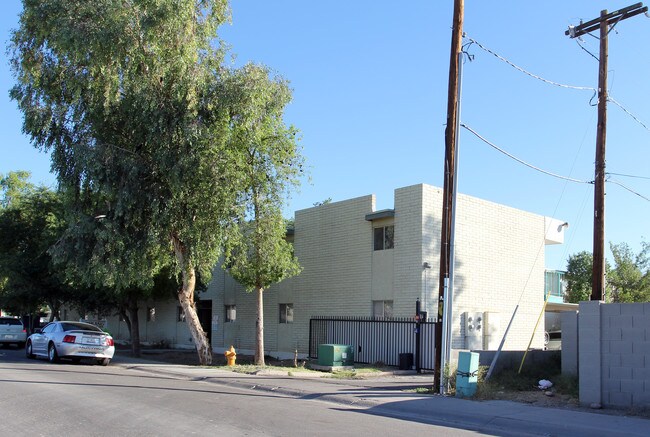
375, 340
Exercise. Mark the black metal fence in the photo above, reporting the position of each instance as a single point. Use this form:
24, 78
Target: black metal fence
375, 340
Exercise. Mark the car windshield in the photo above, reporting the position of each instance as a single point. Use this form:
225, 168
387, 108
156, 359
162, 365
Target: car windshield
72, 326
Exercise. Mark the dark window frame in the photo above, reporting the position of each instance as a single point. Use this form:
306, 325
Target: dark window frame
286, 313
383, 237
180, 314
228, 309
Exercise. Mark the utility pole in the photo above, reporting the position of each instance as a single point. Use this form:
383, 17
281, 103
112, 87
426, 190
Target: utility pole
449, 171
605, 23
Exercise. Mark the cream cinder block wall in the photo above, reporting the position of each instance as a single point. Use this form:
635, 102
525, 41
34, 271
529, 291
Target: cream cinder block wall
428, 228
499, 264
333, 244
408, 249
163, 329
383, 262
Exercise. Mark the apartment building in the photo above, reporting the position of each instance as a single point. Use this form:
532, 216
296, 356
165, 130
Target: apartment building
361, 262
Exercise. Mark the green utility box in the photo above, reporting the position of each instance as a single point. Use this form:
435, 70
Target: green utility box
466, 374
335, 355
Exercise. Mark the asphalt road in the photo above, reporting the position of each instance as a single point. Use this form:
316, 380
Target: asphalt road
43, 399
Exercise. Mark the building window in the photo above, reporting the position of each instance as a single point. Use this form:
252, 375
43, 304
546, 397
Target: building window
286, 313
180, 314
554, 283
231, 313
382, 309
151, 314
384, 237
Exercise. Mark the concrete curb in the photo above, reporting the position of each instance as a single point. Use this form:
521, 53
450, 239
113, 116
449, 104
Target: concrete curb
252, 385
503, 418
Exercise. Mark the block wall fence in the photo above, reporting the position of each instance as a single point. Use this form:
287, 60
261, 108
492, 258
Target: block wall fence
613, 353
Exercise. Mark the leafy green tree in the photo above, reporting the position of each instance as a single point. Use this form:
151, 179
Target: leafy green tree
129, 98
579, 276
630, 277
29, 226
324, 202
257, 252
13, 185
126, 302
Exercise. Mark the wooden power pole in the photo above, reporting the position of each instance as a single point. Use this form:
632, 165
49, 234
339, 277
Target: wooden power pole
449, 167
604, 23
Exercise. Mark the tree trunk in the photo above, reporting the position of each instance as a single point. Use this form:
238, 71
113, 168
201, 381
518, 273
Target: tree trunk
134, 327
124, 315
186, 299
54, 308
259, 329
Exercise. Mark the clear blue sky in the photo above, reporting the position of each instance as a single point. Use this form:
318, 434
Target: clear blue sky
370, 94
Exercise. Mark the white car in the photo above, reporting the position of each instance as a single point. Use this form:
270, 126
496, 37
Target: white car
71, 340
12, 331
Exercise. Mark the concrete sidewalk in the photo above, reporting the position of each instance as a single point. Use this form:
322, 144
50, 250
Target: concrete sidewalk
388, 396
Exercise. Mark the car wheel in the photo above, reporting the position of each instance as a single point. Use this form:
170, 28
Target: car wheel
52, 355
104, 361
28, 350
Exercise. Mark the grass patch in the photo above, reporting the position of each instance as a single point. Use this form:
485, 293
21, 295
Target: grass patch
568, 385
252, 369
357, 372
510, 381
368, 370
344, 374
423, 391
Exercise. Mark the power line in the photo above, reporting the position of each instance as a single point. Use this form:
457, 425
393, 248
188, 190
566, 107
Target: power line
515, 66
585, 49
628, 189
628, 113
520, 160
627, 175
550, 82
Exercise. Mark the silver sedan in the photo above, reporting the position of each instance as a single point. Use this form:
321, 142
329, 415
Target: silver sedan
72, 340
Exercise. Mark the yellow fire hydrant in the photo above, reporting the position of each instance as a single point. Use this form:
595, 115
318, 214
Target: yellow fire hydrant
231, 355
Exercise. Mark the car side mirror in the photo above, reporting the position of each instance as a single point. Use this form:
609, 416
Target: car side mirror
37, 331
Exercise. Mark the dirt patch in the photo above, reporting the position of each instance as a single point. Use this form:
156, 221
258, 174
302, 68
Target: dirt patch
538, 398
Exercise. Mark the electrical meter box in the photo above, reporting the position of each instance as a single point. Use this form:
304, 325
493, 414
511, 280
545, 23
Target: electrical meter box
335, 355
